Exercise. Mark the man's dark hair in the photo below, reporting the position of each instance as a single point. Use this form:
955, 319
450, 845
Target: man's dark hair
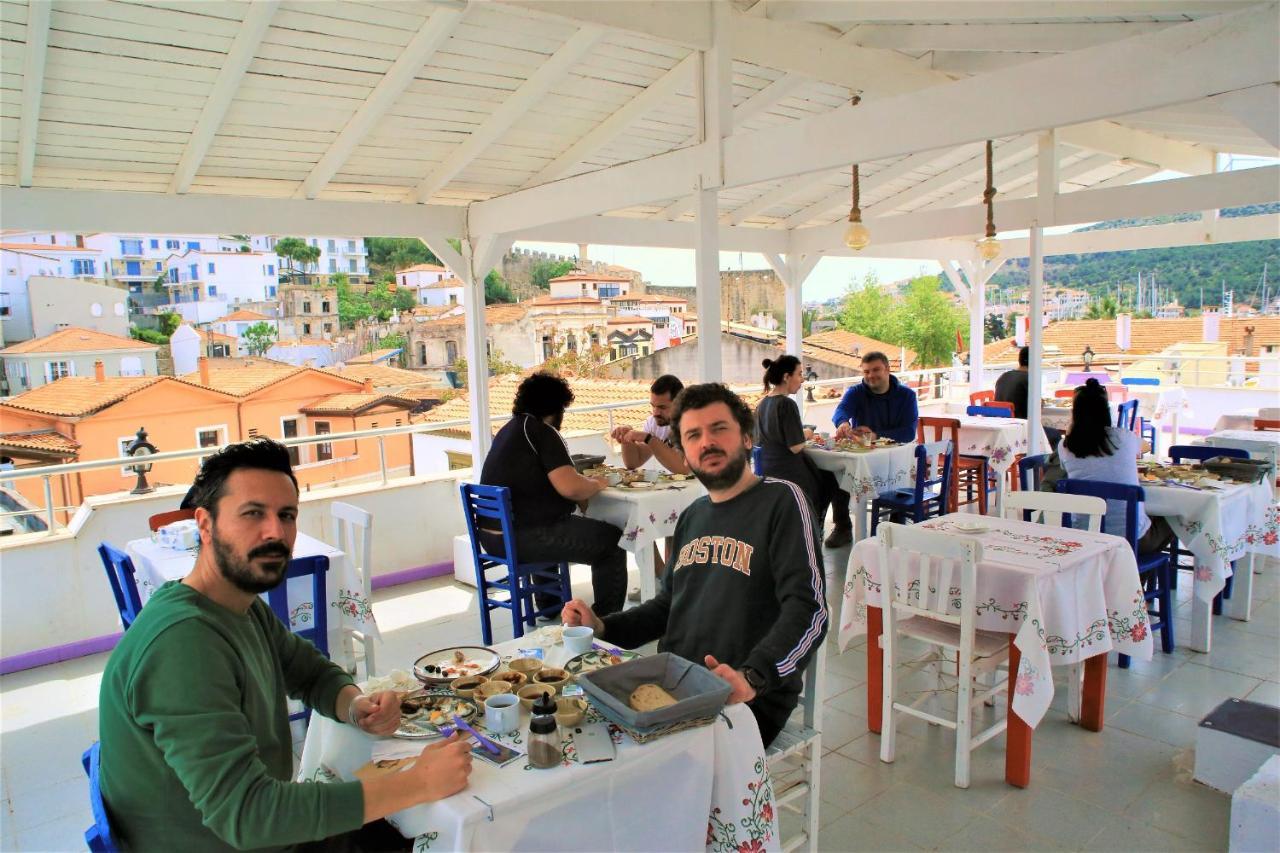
876, 355
261, 454
1024, 356
542, 395
667, 384
703, 395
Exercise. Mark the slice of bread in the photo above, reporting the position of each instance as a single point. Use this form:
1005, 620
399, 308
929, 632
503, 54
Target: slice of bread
650, 697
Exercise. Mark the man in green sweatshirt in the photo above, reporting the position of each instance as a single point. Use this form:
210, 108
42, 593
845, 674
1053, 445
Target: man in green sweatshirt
196, 749
746, 593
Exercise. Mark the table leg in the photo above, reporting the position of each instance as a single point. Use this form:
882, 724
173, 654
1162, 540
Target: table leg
648, 577
875, 669
862, 507
1241, 591
1094, 702
1173, 426
1201, 625
1017, 735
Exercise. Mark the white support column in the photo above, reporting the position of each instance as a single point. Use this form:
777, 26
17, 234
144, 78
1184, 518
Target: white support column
715, 102
977, 331
707, 260
1209, 218
1046, 197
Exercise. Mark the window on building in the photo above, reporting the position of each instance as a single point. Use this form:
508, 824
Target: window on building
289, 429
271, 269
82, 267
571, 342
422, 354
213, 436
324, 450
24, 375
306, 306
351, 264
211, 267
548, 351
55, 370
333, 265
306, 328
173, 275
451, 351
155, 244
328, 328
453, 299
172, 244
131, 247
193, 244
324, 307
332, 246
130, 365
351, 245
315, 242
212, 289
194, 269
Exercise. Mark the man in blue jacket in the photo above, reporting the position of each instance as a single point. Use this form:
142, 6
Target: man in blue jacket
879, 407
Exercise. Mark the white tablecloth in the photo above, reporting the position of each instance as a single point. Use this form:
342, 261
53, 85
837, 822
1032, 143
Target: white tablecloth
348, 606
703, 788
865, 475
1066, 594
998, 439
645, 517
1160, 404
1239, 420
1258, 444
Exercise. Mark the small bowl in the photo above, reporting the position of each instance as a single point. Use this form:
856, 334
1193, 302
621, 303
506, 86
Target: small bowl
515, 679
652, 476
613, 478
530, 693
570, 711
525, 666
551, 677
467, 685
492, 688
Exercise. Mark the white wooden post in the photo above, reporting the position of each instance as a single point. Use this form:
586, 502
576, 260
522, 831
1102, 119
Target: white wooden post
715, 122
1046, 196
707, 259
977, 329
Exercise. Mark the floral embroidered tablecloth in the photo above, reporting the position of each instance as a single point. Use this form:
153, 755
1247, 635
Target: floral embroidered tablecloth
349, 607
701, 788
1067, 595
998, 439
645, 516
1258, 444
866, 474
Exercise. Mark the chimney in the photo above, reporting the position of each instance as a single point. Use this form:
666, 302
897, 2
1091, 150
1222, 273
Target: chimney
368, 386
99, 372
1211, 321
1249, 341
1124, 331
204, 370
582, 253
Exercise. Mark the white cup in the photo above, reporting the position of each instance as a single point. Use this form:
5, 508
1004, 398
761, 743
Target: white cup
577, 640
502, 713
652, 476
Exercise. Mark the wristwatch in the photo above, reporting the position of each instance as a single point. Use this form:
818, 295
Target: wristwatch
754, 678
648, 437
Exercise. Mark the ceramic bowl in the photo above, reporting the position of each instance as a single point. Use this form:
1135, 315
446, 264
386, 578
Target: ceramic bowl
570, 711
525, 666
512, 677
551, 677
530, 693
492, 688
466, 685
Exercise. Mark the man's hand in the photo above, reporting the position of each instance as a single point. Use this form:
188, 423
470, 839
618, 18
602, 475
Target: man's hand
635, 436
844, 431
378, 714
619, 434
443, 769
578, 612
742, 691
862, 430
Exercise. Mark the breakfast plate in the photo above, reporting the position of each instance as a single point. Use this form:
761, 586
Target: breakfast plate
422, 713
971, 527
638, 484
598, 659
444, 665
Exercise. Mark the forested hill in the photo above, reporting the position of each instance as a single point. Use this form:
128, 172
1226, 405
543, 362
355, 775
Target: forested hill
1182, 271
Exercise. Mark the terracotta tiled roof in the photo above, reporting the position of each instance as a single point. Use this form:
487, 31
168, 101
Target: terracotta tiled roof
494, 315
566, 300
41, 247
629, 321
243, 377
651, 298
76, 339
1145, 336
432, 310
77, 396
43, 441
304, 342
845, 348
210, 336
242, 314
355, 403
579, 275
383, 376
423, 268
443, 284
373, 356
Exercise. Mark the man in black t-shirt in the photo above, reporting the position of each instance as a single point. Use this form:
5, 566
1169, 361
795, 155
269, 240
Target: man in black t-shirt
746, 593
530, 458
1013, 387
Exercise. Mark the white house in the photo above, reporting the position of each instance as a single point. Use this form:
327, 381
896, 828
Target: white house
445, 293
220, 279
421, 275
337, 254
589, 285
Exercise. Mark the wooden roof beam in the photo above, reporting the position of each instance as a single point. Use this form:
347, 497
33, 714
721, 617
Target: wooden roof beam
37, 51
959, 11
1017, 38
252, 30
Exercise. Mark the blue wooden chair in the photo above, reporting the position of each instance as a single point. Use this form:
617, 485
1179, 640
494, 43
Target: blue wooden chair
1147, 431
312, 625
989, 412
489, 507
756, 456
1031, 471
1139, 380
1199, 453
928, 497
124, 584
1127, 415
98, 837
1153, 569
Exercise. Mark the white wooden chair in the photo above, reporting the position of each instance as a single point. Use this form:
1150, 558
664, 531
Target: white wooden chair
797, 752
1052, 509
919, 571
353, 535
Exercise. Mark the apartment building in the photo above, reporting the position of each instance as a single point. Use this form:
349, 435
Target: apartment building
308, 311
586, 285
337, 254
204, 284
20, 262
74, 351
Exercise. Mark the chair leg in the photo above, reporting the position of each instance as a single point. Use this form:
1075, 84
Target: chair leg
1074, 674
1123, 661
1166, 617
982, 489
964, 721
566, 591
486, 615
888, 724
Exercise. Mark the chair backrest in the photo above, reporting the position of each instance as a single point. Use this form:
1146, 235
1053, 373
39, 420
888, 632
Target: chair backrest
927, 573
1127, 415
160, 519
353, 535
756, 457
1129, 495
993, 410
1268, 413
124, 584
981, 398
1064, 393
312, 625
490, 504
935, 466
1200, 452
98, 837
1140, 380
941, 427
1031, 470
1055, 509
1265, 424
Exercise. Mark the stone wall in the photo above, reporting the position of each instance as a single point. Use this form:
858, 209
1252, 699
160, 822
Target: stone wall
742, 293
740, 362
517, 270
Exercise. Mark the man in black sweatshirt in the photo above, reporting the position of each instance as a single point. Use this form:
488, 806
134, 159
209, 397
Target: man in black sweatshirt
746, 593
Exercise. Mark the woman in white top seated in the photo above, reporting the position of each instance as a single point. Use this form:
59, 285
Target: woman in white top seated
1093, 449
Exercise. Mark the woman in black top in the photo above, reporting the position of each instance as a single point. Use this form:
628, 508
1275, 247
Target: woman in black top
781, 438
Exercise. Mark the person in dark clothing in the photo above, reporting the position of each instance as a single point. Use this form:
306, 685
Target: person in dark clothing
781, 437
530, 458
1012, 387
746, 595
879, 406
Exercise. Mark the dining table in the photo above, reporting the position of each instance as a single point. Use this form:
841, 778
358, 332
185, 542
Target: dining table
1001, 441
1163, 405
865, 472
1259, 444
1063, 596
1219, 524
646, 515
705, 787
1240, 419
155, 564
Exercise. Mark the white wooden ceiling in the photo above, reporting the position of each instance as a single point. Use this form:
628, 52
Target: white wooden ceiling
412, 101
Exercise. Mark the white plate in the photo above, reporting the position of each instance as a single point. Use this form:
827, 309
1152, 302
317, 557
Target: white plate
639, 484
971, 527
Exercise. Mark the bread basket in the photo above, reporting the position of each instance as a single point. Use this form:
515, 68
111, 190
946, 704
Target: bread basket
697, 691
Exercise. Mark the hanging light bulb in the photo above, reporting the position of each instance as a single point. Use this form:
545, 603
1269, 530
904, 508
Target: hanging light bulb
989, 246
856, 236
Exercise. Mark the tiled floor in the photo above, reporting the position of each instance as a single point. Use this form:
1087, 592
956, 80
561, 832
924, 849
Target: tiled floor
1126, 788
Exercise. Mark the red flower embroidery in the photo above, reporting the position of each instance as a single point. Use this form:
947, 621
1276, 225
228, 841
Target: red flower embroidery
1138, 632
1025, 685
766, 812
1269, 538
752, 846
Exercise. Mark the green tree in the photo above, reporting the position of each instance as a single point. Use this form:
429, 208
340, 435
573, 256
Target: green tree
169, 323
352, 306
869, 310
294, 250
542, 271
151, 336
929, 321
389, 254
392, 341
498, 366
259, 337
496, 289
1102, 309
160, 283
403, 299
993, 328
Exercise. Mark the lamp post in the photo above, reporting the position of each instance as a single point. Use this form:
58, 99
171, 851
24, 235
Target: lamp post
140, 448
809, 376
1088, 355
